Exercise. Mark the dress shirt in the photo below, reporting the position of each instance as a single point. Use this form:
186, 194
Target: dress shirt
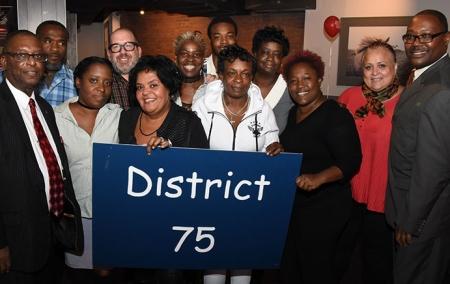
61, 88
120, 91
78, 144
22, 101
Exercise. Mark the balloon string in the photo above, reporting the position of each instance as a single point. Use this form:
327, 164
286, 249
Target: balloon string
329, 68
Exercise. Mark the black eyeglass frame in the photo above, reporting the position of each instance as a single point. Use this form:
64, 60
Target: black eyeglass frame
17, 55
134, 44
420, 37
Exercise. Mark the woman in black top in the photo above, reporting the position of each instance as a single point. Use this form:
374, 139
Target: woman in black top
157, 121
326, 134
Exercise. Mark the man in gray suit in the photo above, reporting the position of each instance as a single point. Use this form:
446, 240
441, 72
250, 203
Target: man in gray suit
418, 196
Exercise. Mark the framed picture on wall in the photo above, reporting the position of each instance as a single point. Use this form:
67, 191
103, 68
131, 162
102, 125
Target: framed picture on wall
107, 30
8, 24
353, 30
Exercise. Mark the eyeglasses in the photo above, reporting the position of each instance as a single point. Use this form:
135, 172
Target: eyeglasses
128, 46
23, 57
423, 38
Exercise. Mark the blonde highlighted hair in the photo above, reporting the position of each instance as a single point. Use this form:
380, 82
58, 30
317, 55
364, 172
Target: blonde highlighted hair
193, 36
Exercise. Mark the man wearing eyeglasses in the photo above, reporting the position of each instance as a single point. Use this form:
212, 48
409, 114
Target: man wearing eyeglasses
123, 52
418, 197
57, 85
36, 185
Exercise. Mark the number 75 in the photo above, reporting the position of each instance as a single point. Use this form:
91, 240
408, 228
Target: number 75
200, 236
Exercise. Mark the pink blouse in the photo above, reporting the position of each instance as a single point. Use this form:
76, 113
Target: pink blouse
369, 184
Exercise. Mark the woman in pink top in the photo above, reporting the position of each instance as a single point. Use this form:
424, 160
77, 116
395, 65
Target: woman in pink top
372, 106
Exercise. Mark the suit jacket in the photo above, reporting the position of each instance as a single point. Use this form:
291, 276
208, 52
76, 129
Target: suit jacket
25, 221
418, 195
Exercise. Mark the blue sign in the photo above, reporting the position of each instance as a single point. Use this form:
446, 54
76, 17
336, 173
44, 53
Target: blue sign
190, 208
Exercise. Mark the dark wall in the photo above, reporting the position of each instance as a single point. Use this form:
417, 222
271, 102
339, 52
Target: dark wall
156, 31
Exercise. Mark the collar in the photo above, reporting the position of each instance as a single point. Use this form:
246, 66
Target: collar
420, 71
275, 94
213, 98
65, 112
21, 98
210, 68
118, 76
64, 72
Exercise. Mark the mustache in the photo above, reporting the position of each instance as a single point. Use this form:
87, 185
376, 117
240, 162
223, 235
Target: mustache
417, 48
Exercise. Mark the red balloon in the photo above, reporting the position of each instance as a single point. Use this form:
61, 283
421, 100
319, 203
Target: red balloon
332, 26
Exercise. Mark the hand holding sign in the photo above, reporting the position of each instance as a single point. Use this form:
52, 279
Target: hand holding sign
162, 212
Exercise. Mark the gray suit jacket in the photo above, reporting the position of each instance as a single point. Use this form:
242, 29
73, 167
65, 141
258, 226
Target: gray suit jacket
418, 195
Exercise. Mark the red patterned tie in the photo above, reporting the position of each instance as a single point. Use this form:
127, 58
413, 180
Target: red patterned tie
54, 172
410, 78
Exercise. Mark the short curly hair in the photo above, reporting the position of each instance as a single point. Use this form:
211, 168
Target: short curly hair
233, 52
193, 36
166, 70
270, 34
307, 57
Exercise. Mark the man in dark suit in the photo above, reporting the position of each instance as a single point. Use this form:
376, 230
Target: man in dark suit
35, 182
418, 196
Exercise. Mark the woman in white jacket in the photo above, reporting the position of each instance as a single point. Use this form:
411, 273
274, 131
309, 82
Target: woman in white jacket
232, 110
236, 117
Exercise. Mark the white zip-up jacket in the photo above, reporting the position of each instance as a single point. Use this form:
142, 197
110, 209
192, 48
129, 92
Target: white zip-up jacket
257, 130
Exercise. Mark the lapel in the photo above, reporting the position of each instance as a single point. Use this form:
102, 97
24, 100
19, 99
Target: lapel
12, 110
49, 116
428, 77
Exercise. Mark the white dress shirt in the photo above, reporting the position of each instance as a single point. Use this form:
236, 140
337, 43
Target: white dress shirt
22, 101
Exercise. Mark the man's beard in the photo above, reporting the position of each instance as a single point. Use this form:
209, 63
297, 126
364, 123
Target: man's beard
53, 66
123, 70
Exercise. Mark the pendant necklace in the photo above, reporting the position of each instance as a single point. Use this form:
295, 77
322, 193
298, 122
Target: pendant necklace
140, 127
240, 112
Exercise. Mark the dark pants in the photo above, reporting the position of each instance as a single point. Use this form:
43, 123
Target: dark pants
312, 238
373, 239
51, 273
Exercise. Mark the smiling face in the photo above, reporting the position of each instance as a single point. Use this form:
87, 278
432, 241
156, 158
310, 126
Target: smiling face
24, 75
236, 78
151, 94
268, 58
54, 45
379, 68
424, 54
303, 84
123, 61
94, 85
190, 59
222, 35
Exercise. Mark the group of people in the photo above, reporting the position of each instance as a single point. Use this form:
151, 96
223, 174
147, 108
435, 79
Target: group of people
355, 173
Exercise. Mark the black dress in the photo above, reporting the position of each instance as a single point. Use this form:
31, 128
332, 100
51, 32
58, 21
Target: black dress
327, 137
182, 127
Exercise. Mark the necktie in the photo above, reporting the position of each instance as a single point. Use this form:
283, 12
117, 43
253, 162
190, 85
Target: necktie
54, 172
410, 78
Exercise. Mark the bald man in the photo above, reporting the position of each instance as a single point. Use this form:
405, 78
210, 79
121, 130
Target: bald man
124, 52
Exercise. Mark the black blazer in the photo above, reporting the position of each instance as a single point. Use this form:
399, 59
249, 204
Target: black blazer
182, 127
25, 222
418, 195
